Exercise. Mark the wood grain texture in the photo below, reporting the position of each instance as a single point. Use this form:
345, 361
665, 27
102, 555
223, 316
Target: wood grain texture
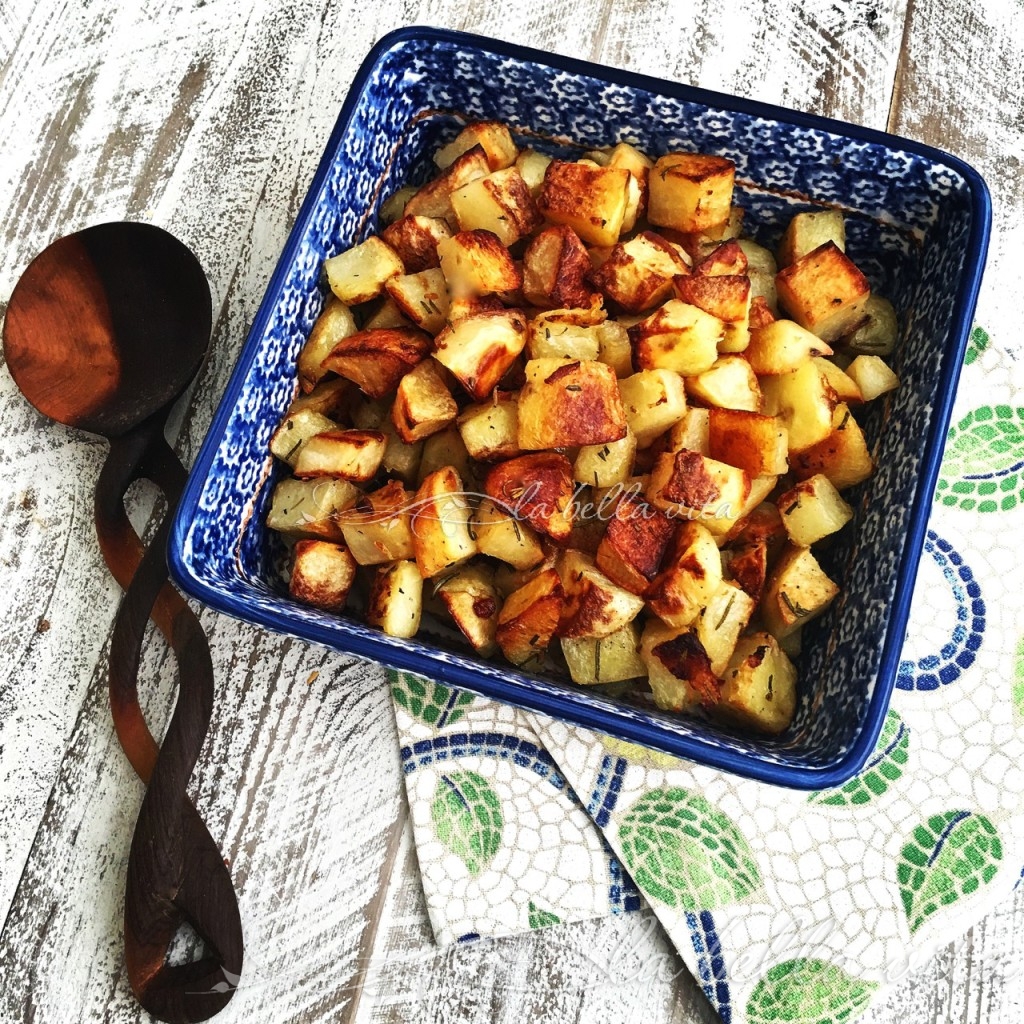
209, 119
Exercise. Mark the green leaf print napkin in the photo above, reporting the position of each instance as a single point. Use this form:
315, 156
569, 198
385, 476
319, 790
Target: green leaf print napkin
786, 906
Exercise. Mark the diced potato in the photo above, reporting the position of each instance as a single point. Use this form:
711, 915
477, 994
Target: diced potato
757, 444
781, 347
605, 464
724, 297
877, 335
490, 429
493, 137
760, 314
441, 533
423, 403
401, 458
760, 488
331, 398
725, 260
634, 544
807, 231
396, 599
590, 200
614, 348
842, 456
872, 376
479, 349
678, 668
729, 384
759, 688
813, 509
804, 401
378, 527
370, 413
350, 454
384, 313
747, 564
566, 333
477, 263
797, 591
824, 292
721, 621
415, 240
594, 606
434, 198
446, 448
378, 358
609, 659
310, 508
555, 267
499, 202
688, 484
422, 298
295, 431
532, 166
333, 324
359, 273
842, 384
473, 603
537, 488
567, 403
761, 269
529, 617
638, 273
762, 524
653, 401
500, 535
322, 574
690, 191
678, 337
691, 574
692, 432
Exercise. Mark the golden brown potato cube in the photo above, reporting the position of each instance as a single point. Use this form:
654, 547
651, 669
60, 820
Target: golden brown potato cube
423, 403
639, 166
759, 445
415, 240
693, 432
804, 401
842, 456
396, 599
359, 273
477, 263
441, 533
690, 191
691, 573
604, 465
490, 429
537, 488
614, 348
678, 668
378, 528
590, 200
493, 137
634, 544
747, 564
446, 448
797, 591
529, 617
555, 267
378, 358
500, 535
610, 659
760, 488
333, 324
813, 509
533, 166
872, 377
310, 508
480, 348
759, 688
461, 306
762, 524
295, 431
842, 383
499, 202
594, 605
434, 198
760, 313
473, 603
721, 621
566, 333
727, 298
322, 574
807, 231
824, 292
332, 398
688, 484
781, 347
678, 337
653, 400
566, 403
349, 454
638, 273
729, 259
422, 298
729, 384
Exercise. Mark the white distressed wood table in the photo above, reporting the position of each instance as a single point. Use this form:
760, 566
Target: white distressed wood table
208, 118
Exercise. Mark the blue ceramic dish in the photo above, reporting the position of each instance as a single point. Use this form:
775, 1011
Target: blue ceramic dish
917, 223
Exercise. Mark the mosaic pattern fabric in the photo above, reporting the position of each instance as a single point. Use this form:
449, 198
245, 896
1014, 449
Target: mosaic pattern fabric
786, 906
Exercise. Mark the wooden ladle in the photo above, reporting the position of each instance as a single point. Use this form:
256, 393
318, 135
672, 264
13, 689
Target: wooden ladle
104, 331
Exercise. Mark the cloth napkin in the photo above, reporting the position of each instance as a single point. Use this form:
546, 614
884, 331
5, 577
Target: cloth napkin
785, 906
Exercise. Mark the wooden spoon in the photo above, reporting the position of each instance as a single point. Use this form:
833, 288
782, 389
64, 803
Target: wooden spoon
104, 331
